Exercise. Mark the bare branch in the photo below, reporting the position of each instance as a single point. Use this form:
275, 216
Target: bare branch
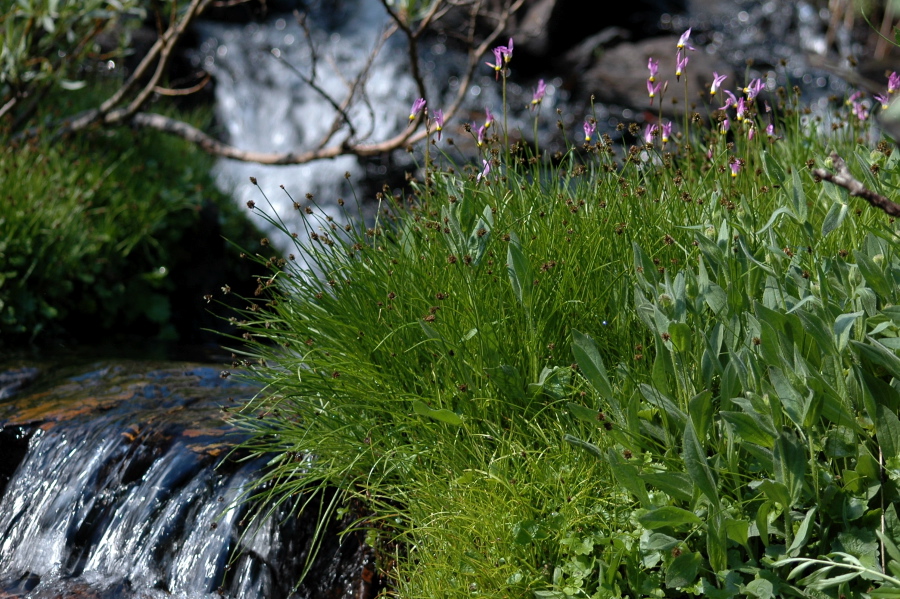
842, 177
112, 113
164, 91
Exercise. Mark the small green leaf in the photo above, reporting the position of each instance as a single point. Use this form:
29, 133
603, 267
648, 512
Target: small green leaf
519, 271
697, 467
627, 475
803, 534
834, 218
587, 356
888, 426
668, 515
680, 334
441, 415
683, 570
585, 445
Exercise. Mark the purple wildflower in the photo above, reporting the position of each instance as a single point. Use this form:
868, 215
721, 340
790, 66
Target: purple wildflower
883, 100
731, 101
770, 130
538, 96
481, 131
589, 127
753, 88
653, 65
751, 132
735, 167
652, 89
439, 122
666, 132
488, 118
417, 107
497, 65
717, 81
893, 82
725, 125
507, 51
649, 132
741, 109
861, 111
683, 41
681, 63
484, 172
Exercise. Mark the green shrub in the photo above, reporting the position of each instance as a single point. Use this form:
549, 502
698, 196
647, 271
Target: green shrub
95, 229
446, 367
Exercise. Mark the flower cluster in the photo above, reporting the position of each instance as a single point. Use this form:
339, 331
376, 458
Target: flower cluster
502, 56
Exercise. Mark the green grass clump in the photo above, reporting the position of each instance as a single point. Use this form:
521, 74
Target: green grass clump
96, 227
662, 372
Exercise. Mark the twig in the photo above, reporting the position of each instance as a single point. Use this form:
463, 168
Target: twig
164, 91
843, 178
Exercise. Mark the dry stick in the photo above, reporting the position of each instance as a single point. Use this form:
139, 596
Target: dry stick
843, 178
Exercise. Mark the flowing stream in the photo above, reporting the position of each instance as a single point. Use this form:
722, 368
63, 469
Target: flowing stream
115, 483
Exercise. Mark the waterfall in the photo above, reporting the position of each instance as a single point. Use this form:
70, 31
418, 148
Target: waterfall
124, 490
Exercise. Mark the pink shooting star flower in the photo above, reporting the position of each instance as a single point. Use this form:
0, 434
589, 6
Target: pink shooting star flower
735, 167
681, 64
753, 88
768, 108
666, 132
650, 132
853, 98
653, 89
893, 83
751, 132
507, 51
731, 101
683, 41
653, 65
884, 100
589, 127
538, 96
439, 122
484, 171
861, 111
488, 118
724, 126
717, 81
741, 109
481, 131
497, 65
770, 130
417, 107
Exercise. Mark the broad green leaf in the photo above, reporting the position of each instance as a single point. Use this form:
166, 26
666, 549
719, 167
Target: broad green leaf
872, 274
716, 542
627, 475
760, 588
777, 493
790, 464
879, 354
587, 356
582, 413
843, 324
834, 218
738, 531
773, 169
683, 570
441, 415
887, 426
665, 403
680, 334
519, 271
590, 447
674, 484
697, 467
700, 409
795, 405
668, 515
803, 533
749, 428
